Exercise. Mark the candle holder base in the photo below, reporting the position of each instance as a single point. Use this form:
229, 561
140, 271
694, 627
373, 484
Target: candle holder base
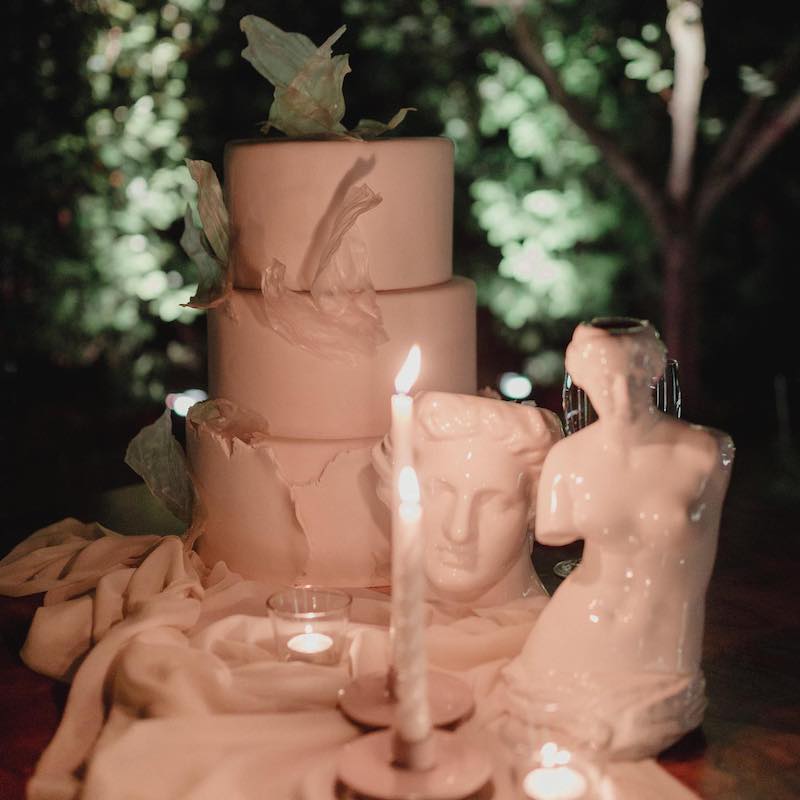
367, 700
366, 767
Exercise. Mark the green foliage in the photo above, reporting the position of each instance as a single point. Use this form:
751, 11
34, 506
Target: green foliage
137, 74
115, 94
111, 275
754, 82
550, 207
644, 63
553, 230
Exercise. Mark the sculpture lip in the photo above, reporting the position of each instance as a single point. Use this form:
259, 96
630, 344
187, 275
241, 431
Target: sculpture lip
619, 325
458, 556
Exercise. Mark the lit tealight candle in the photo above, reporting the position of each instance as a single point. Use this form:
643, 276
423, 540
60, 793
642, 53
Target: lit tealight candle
554, 783
310, 643
554, 780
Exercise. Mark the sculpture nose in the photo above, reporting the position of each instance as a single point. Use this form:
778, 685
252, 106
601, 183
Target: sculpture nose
458, 528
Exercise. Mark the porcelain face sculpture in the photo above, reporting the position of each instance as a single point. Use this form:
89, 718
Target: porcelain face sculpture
623, 633
478, 460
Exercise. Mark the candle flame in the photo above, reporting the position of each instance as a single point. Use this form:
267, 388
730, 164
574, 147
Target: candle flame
409, 372
548, 754
408, 486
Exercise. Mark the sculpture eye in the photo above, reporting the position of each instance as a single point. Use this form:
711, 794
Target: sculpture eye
494, 496
439, 486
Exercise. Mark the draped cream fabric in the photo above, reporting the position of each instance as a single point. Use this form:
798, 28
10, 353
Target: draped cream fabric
176, 691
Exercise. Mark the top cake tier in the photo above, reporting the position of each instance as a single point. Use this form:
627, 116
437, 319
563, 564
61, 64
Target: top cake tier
282, 196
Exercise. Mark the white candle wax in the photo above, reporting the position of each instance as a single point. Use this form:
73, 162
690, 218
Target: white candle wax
554, 783
402, 433
409, 662
412, 714
310, 643
403, 415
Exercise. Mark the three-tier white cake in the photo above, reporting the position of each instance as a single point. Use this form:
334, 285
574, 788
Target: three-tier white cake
281, 454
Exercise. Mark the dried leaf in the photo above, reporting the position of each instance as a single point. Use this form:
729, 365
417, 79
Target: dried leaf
213, 282
371, 128
307, 79
308, 82
211, 207
313, 104
226, 421
344, 266
157, 457
339, 318
275, 54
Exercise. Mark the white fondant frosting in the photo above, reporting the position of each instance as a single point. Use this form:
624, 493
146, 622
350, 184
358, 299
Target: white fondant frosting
339, 318
283, 196
305, 396
291, 510
301, 377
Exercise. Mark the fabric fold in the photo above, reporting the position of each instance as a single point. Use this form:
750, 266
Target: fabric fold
177, 691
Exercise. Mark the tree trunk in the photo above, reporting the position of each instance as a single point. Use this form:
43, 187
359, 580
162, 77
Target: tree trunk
680, 310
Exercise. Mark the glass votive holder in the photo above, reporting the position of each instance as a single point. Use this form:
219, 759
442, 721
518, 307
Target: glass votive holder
309, 623
557, 753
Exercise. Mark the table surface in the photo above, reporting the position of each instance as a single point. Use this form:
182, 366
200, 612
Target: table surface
748, 747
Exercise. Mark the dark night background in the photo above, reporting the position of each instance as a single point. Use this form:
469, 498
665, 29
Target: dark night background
104, 100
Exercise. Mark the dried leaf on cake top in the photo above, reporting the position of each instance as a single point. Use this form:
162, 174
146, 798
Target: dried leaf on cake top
307, 79
308, 82
313, 103
156, 456
371, 128
276, 54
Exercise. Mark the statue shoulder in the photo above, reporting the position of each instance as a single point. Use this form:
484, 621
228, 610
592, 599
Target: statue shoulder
571, 447
716, 446
546, 425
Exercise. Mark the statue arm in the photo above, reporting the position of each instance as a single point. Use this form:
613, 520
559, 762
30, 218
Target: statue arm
554, 525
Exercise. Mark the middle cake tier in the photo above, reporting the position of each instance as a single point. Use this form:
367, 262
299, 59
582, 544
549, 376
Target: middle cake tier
303, 395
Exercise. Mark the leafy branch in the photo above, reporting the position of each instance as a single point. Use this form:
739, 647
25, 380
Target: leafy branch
530, 48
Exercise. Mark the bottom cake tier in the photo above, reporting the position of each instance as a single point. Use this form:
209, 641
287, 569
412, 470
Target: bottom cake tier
285, 511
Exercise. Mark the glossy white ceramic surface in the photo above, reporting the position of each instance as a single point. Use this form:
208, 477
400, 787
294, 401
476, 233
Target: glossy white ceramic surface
478, 460
645, 492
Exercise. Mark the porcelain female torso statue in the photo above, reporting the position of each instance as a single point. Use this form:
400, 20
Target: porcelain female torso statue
648, 512
645, 492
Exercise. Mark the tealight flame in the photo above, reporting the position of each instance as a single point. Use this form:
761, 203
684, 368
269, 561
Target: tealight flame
408, 486
409, 372
551, 755
548, 754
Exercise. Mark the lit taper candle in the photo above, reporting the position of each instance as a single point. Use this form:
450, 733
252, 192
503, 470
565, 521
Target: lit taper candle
402, 456
412, 725
403, 415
